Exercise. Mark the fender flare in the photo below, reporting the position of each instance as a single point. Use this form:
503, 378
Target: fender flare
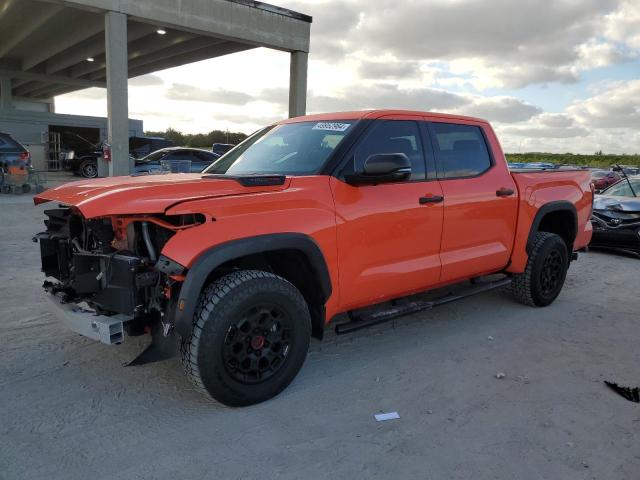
556, 206
215, 256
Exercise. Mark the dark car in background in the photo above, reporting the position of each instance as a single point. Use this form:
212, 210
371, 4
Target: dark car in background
84, 160
221, 148
602, 179
199, 158
616, 216
140, 147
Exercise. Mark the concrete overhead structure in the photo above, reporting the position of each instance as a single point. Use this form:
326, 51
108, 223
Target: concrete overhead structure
52, 47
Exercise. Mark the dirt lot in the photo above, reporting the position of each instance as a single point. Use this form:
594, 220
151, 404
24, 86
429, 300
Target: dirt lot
70, 410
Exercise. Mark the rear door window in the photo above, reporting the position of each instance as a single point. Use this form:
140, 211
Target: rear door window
460, 150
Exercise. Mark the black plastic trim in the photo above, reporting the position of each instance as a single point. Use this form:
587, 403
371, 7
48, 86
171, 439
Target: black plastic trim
225, 252
338, 158
169, 267
556, 206
250, 180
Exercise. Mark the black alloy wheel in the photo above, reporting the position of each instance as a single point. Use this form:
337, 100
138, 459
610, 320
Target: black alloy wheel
256, 346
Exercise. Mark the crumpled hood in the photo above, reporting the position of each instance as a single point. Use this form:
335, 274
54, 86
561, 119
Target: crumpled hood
620, 204
145, 193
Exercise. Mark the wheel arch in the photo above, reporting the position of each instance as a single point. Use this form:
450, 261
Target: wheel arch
274, 252
559, 217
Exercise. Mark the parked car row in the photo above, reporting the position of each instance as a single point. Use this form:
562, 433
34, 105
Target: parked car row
84, 161
198, 159
149, 153
602, 179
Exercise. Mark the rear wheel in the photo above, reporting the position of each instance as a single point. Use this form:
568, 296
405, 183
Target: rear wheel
89, 168
542, 280
249, 339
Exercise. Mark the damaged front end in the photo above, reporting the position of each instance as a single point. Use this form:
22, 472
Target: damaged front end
106, 274
616, 225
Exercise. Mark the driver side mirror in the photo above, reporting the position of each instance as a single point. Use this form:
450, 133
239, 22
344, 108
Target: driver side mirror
382, 168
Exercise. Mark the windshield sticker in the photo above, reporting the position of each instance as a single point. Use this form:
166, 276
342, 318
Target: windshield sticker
331, 126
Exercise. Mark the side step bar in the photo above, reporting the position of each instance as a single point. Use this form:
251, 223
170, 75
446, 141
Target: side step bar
379, 316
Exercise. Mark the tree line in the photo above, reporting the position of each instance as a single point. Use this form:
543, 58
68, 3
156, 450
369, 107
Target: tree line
199, 140
598, 159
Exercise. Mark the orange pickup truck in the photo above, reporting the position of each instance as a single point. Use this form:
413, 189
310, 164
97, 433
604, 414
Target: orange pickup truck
237, 267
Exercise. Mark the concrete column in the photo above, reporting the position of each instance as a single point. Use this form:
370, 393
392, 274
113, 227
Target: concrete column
298, 84
6, 99
117, 93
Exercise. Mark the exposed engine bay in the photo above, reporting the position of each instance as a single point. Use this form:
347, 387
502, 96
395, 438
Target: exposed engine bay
112, 264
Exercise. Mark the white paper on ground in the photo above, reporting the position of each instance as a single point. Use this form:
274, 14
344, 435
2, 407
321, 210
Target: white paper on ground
381, 417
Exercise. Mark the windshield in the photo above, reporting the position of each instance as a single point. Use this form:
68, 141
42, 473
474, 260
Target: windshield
621, 189
599, 174
289, 149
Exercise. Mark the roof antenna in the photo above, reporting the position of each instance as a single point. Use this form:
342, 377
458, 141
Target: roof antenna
624, 175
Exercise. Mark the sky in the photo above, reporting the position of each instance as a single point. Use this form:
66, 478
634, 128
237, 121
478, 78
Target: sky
551, 76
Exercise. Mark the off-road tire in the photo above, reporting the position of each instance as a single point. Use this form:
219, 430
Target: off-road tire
85, 169
527, 287
221, 306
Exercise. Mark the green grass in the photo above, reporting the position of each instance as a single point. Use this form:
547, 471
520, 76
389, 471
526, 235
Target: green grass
597, 160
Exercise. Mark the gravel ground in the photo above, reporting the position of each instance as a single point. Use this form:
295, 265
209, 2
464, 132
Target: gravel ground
70, 410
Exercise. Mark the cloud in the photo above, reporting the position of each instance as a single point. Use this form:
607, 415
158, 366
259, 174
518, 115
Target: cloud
380, 95
386, 96
333, 22
149, 80
509, 43
616, 107
539, 131
622, 25
382, 70
556, 120
502, 109
180, 91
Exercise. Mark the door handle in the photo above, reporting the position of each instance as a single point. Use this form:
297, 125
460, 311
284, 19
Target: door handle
431, 199
504, 192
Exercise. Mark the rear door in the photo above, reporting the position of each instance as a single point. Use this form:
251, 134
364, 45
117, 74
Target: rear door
480, 201
388, 234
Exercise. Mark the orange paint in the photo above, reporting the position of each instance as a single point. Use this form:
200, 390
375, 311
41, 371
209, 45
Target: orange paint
378, 241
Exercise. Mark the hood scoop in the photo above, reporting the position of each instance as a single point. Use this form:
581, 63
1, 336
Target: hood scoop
251, 180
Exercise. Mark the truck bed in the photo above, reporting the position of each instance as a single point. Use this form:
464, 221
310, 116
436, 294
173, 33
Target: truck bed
538, 188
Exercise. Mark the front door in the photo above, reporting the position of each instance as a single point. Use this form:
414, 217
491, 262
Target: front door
388, 234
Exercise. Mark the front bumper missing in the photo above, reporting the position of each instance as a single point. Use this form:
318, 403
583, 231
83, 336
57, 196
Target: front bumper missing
102, 328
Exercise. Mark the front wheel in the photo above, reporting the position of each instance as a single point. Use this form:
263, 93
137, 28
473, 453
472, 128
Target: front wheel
249, 339
542, 280
89, 168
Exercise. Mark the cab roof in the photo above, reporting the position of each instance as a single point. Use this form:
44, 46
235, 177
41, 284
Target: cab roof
374, 114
